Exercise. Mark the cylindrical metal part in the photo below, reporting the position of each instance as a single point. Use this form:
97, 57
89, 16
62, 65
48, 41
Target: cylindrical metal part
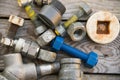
48, 68
51, 14
70, 69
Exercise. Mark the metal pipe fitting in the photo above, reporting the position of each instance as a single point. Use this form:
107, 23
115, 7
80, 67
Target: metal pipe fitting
16, 70
83, 9
42, 2
90, 59
76, 31
103, 27
46, 37
70, 69
30, 49
51, 14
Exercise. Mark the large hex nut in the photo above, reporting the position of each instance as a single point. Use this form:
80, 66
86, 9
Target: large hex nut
19, 45
26, 47
103, 27
76, 31
46, 37
23, 3
39, 30
47, 56
16, 20
33, 50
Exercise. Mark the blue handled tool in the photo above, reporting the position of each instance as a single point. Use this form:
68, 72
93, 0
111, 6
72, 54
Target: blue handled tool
90, 59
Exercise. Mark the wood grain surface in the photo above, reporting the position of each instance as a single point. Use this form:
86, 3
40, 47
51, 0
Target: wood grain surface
109, 54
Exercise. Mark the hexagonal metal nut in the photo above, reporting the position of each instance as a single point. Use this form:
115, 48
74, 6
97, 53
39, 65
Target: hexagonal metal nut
39, 30
7, 41
85, 7
46, 37
23, 3
16, 20
33, 50
26, 47
76, 31
47, 56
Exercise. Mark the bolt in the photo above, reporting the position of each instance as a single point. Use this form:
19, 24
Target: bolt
90, 59
70, 69
84, 9
29, 49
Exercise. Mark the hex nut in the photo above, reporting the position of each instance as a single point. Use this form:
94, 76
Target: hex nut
7, 41
60, 30
33, 50
76, 31
86, 8
26, 47
16, 20
46, 37
47, 56
23, 3
39, 30
103, 27
19, 45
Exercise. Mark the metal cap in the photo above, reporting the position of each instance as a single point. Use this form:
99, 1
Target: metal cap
57, 4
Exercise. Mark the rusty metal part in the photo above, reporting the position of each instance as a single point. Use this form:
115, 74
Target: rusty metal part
76, 31
30, 49
70, 69
103, 27
51, 14
42, 2
16, 70
47, 55
46, 37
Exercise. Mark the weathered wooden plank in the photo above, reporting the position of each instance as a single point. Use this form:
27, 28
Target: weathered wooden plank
87, 77
7, 7
109, 54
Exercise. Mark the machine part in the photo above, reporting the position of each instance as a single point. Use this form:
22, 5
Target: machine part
16, 70
47, 55
46, 37
103, 27
76, 31
51, 14
30, 49
42, 2
70, 69
84, 10
90, 59
16, 20
39, 30
23, 3
33, 50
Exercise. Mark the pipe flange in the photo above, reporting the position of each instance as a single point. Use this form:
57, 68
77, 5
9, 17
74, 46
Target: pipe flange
103, 27
51, 14
76, 31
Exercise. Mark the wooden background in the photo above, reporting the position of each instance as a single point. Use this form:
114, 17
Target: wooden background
108, 67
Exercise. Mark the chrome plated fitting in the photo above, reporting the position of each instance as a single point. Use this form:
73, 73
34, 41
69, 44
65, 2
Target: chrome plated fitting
76, 31
70, 69
46, 37
51, 14
16, 70
30, 49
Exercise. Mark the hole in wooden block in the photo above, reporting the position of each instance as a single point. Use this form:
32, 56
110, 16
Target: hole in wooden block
103, 27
